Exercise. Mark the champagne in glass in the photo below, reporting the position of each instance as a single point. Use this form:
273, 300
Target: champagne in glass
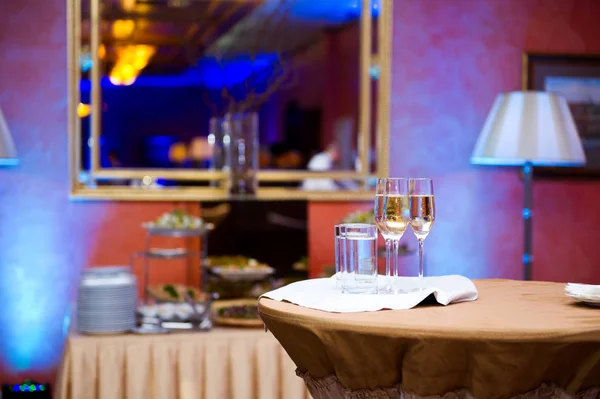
422, 214
396, 216
391, 218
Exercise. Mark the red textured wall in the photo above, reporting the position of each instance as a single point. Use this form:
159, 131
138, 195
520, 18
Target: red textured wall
450, 60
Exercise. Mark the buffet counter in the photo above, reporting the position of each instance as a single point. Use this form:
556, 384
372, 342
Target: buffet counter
222, 363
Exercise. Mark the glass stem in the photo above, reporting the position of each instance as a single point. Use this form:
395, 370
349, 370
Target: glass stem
421, 251
388, 275
396, 265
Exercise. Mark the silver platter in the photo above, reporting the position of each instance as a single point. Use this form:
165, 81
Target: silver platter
166, 232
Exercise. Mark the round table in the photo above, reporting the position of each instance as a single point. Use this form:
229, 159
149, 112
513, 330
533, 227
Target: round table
518, 339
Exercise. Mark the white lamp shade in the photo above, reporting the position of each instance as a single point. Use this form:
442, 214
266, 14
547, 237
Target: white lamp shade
529, 126
8, 152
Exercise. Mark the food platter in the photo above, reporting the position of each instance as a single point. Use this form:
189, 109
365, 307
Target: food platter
176, 307
236, 313
176, 232
238, 268
170, 312
177, 293
178, 223
242, 274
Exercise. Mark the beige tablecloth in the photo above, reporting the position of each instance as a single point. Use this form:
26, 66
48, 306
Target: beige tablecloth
518, 338
221, 364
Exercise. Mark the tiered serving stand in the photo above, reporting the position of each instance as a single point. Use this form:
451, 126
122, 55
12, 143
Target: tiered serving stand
234, 284
150, 253
200, 321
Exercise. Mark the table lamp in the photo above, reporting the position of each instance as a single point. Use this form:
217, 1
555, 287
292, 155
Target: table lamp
528, 129
8, 152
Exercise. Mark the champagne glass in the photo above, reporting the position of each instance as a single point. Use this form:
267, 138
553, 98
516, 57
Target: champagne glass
391, 218
422, 214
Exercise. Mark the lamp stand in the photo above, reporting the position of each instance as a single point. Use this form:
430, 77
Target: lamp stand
527, 220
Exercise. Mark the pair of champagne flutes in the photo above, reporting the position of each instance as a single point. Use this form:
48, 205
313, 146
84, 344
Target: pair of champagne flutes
399, 203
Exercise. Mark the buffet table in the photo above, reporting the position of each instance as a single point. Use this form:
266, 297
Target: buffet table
222, 363
518, 338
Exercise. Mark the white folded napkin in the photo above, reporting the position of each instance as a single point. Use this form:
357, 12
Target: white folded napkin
322, 294
583, 289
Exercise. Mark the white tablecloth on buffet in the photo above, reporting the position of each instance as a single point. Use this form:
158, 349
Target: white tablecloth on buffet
220, 364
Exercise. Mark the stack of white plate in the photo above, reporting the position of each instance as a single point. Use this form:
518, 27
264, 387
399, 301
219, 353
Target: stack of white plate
586, 293
107, 300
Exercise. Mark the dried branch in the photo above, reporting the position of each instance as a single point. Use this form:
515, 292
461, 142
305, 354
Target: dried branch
254, 91
213, 107
262, 33
254, 99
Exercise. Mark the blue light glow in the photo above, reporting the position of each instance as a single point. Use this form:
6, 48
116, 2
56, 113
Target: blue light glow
215, 74
331, 11
209, 73
9, 161
33, 256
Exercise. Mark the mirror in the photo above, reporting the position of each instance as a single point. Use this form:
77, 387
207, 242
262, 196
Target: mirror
160, 82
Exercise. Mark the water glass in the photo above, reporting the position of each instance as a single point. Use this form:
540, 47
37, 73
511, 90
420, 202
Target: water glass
360, 258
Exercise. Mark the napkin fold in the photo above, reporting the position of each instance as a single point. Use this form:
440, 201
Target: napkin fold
583, 289
322, 294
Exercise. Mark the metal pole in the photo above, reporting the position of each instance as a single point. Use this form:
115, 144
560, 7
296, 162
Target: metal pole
203, 254
528, 220
146, 267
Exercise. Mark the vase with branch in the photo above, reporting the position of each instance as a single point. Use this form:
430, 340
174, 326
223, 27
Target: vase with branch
234, 127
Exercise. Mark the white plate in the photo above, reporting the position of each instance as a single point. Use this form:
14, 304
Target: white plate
117, 305
127, 298
168, 251
120, 324
110, 297
111, 326
243, 274
96, 323
106, 316
106, 294
104, 332
104, 301
103, 328
107, 312
105, 306
87, 297
120, 297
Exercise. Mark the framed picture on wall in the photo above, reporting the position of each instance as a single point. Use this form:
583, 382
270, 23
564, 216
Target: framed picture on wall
577, 78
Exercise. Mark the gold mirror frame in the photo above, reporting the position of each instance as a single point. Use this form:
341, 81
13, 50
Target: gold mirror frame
368, 60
